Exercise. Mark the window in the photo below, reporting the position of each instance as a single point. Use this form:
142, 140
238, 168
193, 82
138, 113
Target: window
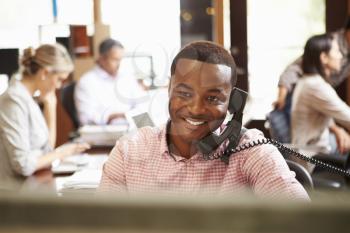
75, 12
19, 22
149, 27
277, 32
36, 22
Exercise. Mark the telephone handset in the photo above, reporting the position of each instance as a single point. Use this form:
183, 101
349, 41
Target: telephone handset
233, 131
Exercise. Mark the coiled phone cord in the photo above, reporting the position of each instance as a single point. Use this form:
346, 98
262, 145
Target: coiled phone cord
283, 149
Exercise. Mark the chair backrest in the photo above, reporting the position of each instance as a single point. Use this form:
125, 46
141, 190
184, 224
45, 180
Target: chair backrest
67, 99
279, 126
301, 174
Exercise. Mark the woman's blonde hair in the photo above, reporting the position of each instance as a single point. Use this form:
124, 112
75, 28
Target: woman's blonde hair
54, 58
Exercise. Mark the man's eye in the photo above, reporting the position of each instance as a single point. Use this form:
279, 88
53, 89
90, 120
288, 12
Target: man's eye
213, 99
184, 94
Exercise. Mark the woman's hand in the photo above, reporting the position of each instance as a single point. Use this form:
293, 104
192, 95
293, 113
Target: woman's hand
281, 99
49, 99
61, 152
279, 104
343, 139
71, 149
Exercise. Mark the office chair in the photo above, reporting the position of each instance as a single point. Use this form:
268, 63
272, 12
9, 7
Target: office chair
301, 174
322, 178
67, 99
279, 128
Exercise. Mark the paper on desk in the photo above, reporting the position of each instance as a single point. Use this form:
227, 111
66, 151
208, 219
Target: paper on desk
84, 179
78, 159
102, 134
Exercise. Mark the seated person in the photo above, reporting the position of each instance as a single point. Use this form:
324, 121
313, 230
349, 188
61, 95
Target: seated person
103, 95
315, 104
28, 135
294, 71
166, 159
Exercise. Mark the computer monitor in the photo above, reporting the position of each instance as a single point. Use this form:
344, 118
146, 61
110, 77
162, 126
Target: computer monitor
9, 61
139, 65
65, 41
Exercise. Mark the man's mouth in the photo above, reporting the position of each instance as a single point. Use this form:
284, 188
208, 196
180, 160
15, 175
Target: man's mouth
194, 122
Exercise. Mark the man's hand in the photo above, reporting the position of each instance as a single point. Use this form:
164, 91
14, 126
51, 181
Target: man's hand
114, 116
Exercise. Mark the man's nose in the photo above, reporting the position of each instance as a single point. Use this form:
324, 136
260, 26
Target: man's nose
196, 106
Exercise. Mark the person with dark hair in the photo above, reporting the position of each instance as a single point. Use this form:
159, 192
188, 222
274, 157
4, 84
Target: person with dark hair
294, 71
103, 94
27, 134
166, 159
315, 104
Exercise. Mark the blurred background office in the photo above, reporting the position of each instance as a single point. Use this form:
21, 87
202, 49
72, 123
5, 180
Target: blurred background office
263, 36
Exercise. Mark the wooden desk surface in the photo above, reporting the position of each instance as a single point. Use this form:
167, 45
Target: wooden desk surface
45, 180
100, 149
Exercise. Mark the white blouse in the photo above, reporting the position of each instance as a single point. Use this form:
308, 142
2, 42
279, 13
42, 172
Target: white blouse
315, 105
24, 134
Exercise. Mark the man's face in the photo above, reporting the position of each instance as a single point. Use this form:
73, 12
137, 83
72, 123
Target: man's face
198, 98
110, 62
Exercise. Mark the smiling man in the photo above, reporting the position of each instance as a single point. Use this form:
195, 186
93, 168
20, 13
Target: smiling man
167, 159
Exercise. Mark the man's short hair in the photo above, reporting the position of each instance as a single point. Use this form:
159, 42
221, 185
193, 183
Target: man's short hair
209, 52
107, 45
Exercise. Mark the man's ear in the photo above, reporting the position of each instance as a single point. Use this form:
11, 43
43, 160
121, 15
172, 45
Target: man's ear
100, 60
169, 86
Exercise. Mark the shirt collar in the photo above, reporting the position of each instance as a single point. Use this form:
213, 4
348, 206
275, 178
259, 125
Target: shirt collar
164, 149
17, 84
103, 74
163, 140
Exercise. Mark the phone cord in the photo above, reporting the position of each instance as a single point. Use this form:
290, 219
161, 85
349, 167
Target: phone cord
284, 150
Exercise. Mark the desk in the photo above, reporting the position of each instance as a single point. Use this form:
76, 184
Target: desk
84, 180
101, 135
101, 149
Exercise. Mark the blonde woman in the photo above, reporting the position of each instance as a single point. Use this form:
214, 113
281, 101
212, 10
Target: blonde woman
27, 134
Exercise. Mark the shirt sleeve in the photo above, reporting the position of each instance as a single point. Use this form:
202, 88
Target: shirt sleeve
15, 136
291, 74
324, 99
86, 104
113, 175
269, 175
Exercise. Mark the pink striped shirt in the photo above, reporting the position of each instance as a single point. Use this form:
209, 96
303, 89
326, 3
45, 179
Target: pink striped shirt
142, 164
